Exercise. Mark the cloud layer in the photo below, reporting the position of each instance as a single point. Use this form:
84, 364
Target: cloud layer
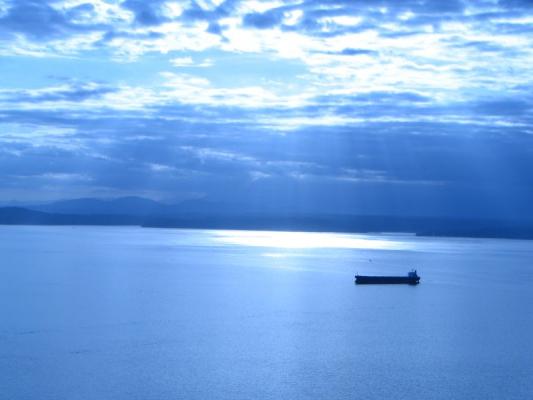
378, 106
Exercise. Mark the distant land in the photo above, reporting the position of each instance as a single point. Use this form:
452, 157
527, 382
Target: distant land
201, 214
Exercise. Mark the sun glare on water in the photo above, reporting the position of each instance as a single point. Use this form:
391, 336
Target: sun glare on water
307, 240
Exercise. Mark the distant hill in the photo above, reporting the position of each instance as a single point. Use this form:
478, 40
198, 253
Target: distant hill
137, 206
90, 206
206, 215
23, 216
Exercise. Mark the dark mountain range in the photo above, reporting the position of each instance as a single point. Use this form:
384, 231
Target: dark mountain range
295, 222
90, 206
142, 207
23, 216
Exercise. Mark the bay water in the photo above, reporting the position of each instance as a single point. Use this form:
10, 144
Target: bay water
137, 313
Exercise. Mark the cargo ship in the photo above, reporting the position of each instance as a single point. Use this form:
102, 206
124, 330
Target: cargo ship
411, 278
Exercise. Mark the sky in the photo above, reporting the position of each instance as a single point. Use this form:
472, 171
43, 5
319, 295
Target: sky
376, 107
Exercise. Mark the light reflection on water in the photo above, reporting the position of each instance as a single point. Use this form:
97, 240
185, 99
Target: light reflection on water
308, 240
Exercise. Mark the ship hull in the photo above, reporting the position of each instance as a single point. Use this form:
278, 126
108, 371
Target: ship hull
388, 280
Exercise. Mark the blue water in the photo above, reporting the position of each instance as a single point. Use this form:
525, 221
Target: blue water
133, 313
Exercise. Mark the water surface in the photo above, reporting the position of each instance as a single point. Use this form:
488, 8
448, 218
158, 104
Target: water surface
133, 313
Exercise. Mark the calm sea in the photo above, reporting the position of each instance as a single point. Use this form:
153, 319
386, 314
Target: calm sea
133, 313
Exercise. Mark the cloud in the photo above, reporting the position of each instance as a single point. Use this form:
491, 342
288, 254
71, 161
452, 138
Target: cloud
505, 107
189, 62
350, 100
69, 93
146, 35
211, 12
356, 52
114, 151
483, 46
377, 98
39, 20
147, 12
182, 61
262, 20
